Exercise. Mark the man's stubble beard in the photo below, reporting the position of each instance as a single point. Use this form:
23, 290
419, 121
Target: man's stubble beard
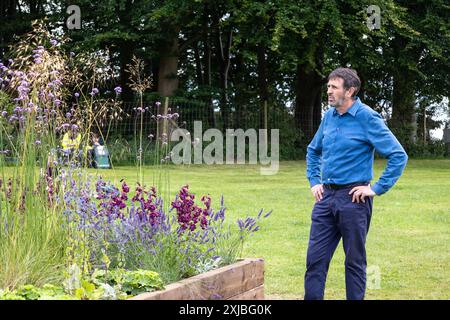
338, 103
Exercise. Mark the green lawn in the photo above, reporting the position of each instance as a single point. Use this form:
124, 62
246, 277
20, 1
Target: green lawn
408, 241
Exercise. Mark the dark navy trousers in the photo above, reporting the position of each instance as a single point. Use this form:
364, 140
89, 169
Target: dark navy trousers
333, 217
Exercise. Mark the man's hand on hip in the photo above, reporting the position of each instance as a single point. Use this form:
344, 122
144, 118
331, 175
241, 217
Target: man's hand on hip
317, 191
361, 192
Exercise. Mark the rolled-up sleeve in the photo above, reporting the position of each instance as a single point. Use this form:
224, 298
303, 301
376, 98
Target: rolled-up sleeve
387, 145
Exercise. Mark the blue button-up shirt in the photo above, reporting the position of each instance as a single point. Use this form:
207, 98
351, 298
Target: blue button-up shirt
342, 150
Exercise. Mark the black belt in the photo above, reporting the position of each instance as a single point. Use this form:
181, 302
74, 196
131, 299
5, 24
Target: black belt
341, 186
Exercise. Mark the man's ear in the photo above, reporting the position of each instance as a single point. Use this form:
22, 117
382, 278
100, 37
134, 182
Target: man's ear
349, 93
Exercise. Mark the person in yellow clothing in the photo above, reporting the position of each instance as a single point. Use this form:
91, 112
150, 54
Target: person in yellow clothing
71, 142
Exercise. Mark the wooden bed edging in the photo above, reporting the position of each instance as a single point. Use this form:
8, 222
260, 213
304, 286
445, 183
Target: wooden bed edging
242, 280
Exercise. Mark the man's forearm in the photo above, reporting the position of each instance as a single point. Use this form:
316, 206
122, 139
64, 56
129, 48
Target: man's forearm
396, 163
313, 167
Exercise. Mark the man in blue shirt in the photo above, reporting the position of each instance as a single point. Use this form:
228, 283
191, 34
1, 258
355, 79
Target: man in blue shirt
339, 169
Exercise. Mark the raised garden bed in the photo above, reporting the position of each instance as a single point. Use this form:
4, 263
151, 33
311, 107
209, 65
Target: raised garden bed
243, 280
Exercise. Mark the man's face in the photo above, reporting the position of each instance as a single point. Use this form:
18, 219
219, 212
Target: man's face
336, 92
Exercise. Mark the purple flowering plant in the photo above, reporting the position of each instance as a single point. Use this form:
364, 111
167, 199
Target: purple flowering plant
135, 232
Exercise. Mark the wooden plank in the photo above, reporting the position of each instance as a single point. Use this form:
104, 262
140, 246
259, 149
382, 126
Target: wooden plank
216, 284
253, 294
221, 283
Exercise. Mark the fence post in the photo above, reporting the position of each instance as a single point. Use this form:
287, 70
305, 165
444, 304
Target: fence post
446, 139
166, 107
265, 122
424, 126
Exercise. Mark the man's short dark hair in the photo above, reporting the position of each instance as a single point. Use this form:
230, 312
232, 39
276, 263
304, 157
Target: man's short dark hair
349, 76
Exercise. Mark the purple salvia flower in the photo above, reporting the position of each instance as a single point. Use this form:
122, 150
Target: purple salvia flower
259, 214
267, 214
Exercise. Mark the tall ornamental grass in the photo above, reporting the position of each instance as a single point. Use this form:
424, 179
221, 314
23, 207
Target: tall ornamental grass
32, 241
44, 94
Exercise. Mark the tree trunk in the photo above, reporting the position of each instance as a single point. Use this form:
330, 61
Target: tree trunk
362, 90
126, 50
263, 87
198, 65
243, 108
8, 10
34, 7
403, 122
168, 68
224, 64
307, 89
207, 76
317, 110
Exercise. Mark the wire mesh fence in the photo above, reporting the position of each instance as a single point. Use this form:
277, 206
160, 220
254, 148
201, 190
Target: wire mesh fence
132, 136
135, 133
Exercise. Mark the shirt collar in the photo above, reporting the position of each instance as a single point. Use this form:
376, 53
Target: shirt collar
353, 109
